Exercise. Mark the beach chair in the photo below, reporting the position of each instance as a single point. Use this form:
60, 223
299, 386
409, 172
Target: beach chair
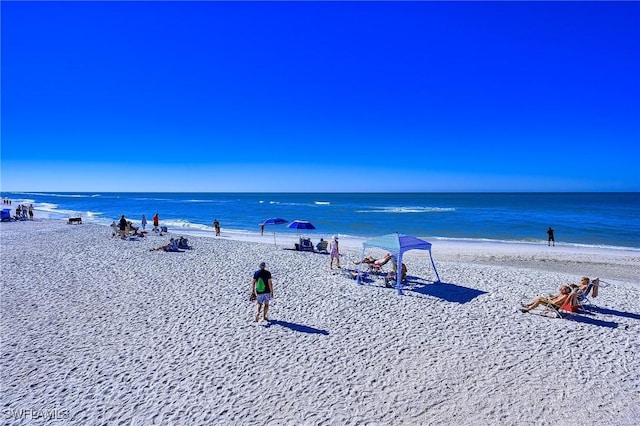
322, 246
584, 297
569, 307
306, 244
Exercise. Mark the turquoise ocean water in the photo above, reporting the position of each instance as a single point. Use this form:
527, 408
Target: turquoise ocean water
598, 219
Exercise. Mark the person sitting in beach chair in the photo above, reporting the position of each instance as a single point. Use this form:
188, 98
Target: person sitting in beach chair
171, 246
130, 229
586, 290
556, 302
322, 246
392, 277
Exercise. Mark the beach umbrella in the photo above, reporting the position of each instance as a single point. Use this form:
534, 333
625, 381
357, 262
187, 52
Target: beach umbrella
274, 221
301, 224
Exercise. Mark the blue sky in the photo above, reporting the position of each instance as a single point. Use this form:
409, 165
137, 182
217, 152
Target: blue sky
320, 96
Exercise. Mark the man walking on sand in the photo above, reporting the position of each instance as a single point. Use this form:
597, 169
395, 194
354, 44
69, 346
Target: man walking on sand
262, 290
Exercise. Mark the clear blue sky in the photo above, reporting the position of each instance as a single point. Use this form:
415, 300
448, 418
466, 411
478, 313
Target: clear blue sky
320, 96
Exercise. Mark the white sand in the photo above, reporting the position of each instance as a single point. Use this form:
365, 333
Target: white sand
97, 330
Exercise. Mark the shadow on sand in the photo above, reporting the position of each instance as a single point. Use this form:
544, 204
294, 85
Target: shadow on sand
445, 291
297, 327
591, 320
607, 311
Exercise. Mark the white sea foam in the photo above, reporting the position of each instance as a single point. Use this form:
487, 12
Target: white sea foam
408, 209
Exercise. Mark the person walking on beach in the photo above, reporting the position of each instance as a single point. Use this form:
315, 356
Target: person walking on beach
156, 222
216, 225
30, 211
551, 237
144, 221
334, 252
262, 290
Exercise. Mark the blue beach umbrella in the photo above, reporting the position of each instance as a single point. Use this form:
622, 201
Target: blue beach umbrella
301, 224
274, 221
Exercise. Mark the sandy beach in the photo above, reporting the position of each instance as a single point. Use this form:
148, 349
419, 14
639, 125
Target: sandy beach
100, 330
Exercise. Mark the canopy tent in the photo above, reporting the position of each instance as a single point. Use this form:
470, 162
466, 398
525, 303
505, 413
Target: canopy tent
397, 245
274, 221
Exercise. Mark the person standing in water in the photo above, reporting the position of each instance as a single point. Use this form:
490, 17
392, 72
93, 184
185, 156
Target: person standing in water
551, 238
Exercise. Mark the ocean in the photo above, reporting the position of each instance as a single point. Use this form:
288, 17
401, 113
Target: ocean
591, 219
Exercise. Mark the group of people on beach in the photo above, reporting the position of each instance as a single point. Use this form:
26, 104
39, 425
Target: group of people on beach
23, 212
567, 297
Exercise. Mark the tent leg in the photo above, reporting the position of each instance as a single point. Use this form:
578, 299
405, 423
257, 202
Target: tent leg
434, 267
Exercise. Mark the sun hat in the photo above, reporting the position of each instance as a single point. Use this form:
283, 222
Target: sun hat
335, 237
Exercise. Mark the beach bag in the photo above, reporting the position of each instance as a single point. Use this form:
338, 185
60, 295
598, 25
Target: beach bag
260, 286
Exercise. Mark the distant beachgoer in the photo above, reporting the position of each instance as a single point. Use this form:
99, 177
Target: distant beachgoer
551, 237
144, 222
262, 291
156, 222
334, 252
123, 226
216, 225
30, 211
171, 246
262, 229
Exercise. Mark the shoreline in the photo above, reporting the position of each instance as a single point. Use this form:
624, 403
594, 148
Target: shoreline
191, 225
535, 256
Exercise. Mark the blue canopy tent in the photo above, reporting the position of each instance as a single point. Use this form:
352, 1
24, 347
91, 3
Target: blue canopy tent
397, 245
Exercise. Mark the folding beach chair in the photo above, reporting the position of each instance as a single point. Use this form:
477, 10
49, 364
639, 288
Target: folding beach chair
569, 307
591, 292
322, 246
306, 244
